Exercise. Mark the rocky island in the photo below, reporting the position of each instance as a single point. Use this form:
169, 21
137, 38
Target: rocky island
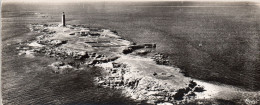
136, 69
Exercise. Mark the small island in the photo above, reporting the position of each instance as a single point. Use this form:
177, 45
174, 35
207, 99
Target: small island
136, 69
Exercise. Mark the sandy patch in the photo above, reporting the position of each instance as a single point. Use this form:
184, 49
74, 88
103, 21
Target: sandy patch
215, 90
35, 44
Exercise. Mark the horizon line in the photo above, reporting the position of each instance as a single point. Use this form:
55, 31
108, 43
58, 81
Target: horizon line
74, 1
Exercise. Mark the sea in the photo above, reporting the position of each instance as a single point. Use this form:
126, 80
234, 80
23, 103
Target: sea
216, 42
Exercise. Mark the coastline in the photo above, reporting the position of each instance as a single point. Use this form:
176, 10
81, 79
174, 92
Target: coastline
143, 69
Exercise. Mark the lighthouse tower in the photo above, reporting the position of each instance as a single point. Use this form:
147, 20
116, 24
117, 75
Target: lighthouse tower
63, 19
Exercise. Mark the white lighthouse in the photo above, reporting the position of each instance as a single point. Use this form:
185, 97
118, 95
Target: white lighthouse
63, 19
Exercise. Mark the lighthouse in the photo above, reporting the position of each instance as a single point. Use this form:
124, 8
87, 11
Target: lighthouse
63, 19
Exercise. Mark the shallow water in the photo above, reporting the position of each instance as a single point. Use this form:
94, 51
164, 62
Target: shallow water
216, 42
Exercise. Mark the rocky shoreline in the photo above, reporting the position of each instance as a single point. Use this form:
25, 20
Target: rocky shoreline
141, 78
154, 88
147, 88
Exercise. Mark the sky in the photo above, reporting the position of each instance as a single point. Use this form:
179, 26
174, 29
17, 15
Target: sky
62, 1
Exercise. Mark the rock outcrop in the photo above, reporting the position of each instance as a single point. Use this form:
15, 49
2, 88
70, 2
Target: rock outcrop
61, 67
161, 59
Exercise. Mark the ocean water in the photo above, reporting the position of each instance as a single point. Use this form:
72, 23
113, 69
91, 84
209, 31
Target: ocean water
216, 42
